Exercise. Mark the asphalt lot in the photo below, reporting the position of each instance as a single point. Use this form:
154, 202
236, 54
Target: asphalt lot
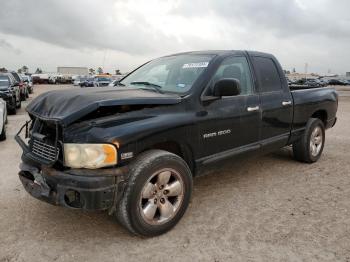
265, 209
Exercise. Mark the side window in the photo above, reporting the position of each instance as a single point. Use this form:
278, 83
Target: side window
236, 67
267, 74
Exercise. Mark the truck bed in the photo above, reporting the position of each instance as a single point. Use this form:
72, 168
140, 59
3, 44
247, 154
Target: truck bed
311, 101
300, 87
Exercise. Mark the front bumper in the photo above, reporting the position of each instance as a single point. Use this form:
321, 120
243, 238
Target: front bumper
8, 98
78, 189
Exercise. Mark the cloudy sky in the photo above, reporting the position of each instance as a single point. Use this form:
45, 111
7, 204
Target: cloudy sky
125, 33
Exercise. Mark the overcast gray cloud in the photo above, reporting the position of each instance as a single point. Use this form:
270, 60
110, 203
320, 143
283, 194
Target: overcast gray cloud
122, 34
9, 47
79, 24
282, 17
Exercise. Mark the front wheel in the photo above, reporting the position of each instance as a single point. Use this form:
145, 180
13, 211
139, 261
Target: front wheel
12, 106
3, 133
157, 194
310, 147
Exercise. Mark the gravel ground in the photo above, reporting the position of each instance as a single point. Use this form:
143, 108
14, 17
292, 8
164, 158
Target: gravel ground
265, 209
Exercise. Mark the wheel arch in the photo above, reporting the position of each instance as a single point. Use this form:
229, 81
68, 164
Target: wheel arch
322, 115
180, 149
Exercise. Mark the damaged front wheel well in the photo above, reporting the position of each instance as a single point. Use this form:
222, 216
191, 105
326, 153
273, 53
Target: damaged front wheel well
180, 150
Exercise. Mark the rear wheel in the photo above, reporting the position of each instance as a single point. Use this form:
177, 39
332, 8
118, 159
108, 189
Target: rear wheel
157, 194
23, 96
310, 147
19, 103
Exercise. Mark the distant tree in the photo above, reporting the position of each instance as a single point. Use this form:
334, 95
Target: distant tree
92, 71
24, 69
293, 70
117, 72
19, 71
38, 71
3, 70
100, 70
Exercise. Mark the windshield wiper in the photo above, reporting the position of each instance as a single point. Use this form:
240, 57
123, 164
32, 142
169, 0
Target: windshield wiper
119, 84
155, 86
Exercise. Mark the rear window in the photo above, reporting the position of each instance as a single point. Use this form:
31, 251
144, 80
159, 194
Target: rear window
103, 79
16, 76
267, 74
4, 81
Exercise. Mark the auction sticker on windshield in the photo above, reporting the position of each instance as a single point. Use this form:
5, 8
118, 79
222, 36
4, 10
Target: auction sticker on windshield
196, 65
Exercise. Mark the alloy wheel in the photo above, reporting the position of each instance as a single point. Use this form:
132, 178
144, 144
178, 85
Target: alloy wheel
161, 197
316, 141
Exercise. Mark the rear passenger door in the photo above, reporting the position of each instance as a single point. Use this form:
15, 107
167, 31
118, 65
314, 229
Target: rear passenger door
276, 103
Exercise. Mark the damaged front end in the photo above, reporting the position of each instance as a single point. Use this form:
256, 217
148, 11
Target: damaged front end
41, 143
44, 176
75, 119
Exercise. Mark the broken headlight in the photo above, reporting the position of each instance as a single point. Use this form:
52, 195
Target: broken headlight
89, 156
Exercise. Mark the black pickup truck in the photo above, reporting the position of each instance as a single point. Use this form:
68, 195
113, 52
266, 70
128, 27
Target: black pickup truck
134, 149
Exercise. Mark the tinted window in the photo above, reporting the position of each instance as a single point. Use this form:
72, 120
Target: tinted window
267, 74
236, 67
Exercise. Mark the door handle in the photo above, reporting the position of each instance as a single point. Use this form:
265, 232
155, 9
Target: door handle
252, 109
286, 103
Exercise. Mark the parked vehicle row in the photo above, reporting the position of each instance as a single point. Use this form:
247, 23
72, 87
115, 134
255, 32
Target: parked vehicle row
97, 81
338, 82
14, 88
320, 82
3, 119
10, 92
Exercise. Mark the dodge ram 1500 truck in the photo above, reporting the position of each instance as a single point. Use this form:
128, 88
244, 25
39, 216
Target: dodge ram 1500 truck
134, 149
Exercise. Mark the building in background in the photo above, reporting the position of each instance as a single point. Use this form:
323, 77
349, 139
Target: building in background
71, 70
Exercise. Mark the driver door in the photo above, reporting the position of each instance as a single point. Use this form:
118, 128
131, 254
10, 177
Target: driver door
231, 124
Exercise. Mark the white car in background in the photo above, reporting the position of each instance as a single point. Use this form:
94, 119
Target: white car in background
79, 79
28, 81
3, 119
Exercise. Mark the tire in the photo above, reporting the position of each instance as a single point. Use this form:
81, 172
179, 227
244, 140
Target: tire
3, 133
148, 169
19, 104
12, 108
313, 138
27, 93
23, 97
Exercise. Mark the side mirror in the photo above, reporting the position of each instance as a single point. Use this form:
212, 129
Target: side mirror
227, 87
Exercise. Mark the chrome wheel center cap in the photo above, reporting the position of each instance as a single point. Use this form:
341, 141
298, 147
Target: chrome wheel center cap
159, 194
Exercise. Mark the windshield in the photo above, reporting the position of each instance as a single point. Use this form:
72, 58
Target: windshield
4, 81
169, 74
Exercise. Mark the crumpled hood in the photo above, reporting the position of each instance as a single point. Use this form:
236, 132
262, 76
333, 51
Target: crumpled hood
69, 105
